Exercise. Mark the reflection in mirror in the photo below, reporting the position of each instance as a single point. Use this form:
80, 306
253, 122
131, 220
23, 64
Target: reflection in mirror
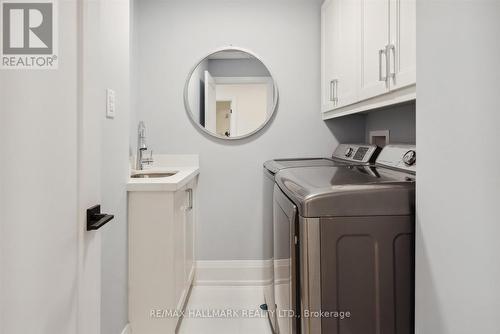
231, 94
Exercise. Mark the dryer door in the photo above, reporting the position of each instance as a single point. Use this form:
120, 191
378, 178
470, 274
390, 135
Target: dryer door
285, 263
267, 206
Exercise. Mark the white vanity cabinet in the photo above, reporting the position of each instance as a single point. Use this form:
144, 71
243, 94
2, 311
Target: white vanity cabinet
183, 231
161, 256
368, 54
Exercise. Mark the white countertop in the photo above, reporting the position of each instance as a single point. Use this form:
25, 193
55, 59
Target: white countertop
185, 166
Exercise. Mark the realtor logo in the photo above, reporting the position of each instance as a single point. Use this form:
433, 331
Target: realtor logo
29, 36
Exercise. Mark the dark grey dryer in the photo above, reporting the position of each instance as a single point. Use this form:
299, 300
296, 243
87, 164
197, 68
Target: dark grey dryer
351, 244
344, 155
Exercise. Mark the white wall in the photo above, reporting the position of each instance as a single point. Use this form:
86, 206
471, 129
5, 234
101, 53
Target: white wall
172, 36
458, 187
38, 193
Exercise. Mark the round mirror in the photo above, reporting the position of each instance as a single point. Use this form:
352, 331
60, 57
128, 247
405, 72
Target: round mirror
230, 94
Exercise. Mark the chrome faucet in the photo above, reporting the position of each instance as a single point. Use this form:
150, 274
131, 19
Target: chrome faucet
141, 148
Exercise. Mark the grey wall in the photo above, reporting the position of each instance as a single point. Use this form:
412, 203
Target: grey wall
458, 226
237, 68
134, 68
172, 36
115, 74
399, 120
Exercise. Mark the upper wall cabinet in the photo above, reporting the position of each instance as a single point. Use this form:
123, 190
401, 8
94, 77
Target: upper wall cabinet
340, 39
403, 41
368, 55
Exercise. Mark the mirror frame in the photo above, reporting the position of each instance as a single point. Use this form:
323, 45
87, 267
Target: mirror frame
188, 107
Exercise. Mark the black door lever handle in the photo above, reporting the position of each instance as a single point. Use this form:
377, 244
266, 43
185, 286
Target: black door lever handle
96, 219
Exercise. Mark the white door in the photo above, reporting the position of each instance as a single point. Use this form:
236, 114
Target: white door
210, 103
38, 192
347, 51
374, 39
50, 265
91, 111
403, 43
233, 119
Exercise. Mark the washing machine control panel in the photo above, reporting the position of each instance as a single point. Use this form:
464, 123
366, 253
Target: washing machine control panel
356, 153
402, 157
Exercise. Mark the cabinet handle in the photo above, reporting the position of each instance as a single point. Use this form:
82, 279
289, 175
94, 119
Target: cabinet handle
381, 52
334, 90
332, 93
190, 199
336, 98
391, 50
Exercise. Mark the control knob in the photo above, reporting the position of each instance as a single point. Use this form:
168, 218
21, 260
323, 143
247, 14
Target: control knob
348, 152
410, 158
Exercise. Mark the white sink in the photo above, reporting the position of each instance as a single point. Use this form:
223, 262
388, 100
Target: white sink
151, 175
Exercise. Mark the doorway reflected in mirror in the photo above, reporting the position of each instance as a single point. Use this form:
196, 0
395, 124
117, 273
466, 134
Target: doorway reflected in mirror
231, 94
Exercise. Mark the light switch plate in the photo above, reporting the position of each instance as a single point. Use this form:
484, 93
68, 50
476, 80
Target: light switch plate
110, 103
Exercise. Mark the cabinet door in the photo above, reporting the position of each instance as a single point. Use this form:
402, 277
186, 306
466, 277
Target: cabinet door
190, 230
347, 51
328, 42
340, 53
179, 244
403, 43
374, 39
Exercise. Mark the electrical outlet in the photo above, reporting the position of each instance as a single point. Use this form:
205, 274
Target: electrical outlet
379, 138
110, 103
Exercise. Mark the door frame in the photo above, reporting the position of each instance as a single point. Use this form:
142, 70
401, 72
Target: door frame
252, 80
233, 128
89, 130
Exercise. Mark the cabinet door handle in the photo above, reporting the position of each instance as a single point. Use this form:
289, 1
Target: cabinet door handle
334, 91
381, 52
391, 51
190, 198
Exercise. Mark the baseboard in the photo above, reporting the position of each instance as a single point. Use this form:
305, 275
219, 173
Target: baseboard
282, 271
234, 273
127, 329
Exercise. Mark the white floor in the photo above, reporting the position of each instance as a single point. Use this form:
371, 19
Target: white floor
206, 301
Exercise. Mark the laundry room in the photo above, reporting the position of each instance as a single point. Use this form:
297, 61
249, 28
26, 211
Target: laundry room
236, 166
